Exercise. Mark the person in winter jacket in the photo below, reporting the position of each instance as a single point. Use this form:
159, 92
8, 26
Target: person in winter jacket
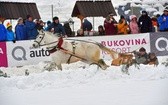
109, 25
154, 24
101, 30
31, 29
163, 20
3, 31
122, 26
20, 30
68, 30
56, 27
87, 26
141, 57
48, 24
133, 25
10, 33
145, 23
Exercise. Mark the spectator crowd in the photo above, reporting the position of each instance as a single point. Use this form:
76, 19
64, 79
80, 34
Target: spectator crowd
28, 29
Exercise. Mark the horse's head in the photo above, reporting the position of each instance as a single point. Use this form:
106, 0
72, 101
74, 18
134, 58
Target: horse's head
39, 39
45, 39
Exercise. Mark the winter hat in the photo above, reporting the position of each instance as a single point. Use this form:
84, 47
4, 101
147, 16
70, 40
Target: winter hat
20, 18
55, 18
48, 22
142, 49
144, 12
8, 25
132, 16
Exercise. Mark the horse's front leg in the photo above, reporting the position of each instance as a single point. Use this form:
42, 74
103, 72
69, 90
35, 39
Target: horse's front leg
50, 66
59, 66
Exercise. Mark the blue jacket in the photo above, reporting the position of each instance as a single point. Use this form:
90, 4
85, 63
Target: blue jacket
10, 35
58, 28
163, 25
31, 29
87, 26
20, 31
3, 33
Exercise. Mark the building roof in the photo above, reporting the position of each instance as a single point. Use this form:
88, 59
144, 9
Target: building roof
93, 8
14, 10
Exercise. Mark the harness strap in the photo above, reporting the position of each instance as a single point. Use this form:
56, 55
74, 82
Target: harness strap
53, 50
73, 48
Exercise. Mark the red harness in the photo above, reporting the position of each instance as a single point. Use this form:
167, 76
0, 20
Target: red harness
59, 46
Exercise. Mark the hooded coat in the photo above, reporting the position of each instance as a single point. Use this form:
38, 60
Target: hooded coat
20, 31
145, 23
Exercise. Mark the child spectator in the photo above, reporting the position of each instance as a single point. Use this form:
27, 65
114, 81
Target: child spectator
80, 32
101, 30
10, 33
20, 30
134, 25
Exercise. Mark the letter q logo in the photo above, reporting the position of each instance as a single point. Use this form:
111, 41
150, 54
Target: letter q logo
17, 56
162, 48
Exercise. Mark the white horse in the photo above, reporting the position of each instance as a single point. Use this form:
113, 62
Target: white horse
66, 51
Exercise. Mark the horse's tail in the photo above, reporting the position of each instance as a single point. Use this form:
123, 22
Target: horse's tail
112, 53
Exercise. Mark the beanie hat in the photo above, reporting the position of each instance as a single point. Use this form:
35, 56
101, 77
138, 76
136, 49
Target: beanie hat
8, 25
55, 18
142, 49
48, 22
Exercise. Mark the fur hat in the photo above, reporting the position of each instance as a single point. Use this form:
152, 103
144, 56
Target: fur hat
8, 25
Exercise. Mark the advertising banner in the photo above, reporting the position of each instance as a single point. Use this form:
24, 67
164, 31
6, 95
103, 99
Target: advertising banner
3, 55
121, 43
21, 53
159, 43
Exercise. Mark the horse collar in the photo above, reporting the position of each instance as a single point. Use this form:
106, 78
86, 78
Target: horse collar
58, 46
60, 42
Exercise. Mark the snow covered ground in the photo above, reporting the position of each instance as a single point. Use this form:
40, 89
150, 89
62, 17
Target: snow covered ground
78, 86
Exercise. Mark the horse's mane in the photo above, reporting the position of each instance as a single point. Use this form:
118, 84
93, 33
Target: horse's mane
51, 34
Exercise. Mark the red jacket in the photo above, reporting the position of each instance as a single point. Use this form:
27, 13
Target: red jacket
110, 29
